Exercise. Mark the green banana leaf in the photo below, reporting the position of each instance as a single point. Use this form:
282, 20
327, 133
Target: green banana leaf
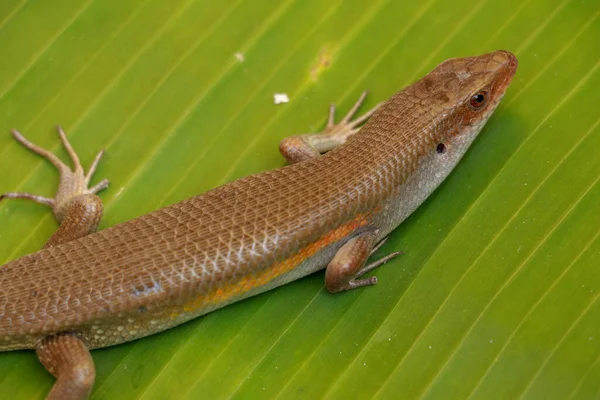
497, 295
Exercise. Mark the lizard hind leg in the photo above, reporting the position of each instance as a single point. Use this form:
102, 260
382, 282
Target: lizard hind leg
67, 358
307, 146
73, 182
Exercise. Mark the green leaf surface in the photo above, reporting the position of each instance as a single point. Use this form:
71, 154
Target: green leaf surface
497, 296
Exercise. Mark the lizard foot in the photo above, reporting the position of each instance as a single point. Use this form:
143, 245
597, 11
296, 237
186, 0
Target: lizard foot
347, 127
307, 146
73, 182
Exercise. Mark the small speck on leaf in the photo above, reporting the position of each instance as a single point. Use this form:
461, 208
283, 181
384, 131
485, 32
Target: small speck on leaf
280, 98
323, 62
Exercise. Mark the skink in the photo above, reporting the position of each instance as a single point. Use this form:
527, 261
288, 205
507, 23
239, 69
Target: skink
345, 190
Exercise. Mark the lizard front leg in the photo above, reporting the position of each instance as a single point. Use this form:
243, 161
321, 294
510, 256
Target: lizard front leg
307, 146
78, 210
348, 264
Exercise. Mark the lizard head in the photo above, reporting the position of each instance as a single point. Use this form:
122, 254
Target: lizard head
464, 93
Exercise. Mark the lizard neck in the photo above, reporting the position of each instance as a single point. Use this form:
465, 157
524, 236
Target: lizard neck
430, 171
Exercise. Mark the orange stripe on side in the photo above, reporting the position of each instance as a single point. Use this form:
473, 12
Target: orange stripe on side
227, 291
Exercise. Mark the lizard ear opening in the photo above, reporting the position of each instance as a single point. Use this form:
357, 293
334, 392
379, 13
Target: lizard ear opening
441, 148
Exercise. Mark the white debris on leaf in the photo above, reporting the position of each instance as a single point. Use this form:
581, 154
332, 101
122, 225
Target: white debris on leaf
240, 57
281, 98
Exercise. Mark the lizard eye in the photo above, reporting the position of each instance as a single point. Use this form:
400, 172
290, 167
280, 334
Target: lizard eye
479, 100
